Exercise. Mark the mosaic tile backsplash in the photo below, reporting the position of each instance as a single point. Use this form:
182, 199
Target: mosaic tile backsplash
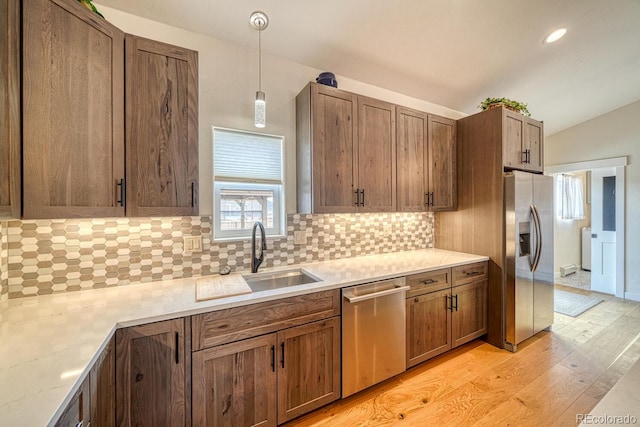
47, 256
4, 286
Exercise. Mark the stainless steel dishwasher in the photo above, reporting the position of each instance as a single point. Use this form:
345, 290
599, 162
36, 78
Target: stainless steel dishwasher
373, 333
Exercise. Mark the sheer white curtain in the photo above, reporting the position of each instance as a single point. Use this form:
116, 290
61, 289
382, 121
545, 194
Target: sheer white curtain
572, 201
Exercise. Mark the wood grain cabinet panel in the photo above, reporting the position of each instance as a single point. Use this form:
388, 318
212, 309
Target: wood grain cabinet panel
234, 385
470, 314
450, 309
10, 132
309, 368
327, 139
103, 387
426, 162
161, 128
522, 142
428, 326
150, 375
376, 155
73, 112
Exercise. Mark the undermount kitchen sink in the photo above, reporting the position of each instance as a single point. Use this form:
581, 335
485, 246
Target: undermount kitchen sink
279, 279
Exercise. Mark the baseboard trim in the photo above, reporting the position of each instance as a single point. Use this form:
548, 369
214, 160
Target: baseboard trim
633, 296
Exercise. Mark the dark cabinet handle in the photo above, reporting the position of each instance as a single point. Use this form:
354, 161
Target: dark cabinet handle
416, 300
449, 302
357, 192
456, 306
470, 273
429, 281
282, 350
426, 197
362, 203
177, 348
193, 194
432, 202
273, 358
121, 192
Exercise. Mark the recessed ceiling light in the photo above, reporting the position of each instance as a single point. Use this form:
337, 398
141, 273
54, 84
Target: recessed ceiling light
556, 35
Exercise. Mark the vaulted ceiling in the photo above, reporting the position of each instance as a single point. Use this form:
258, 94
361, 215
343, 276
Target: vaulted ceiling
451, 52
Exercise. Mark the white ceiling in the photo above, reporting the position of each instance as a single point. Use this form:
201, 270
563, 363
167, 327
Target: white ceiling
451, 52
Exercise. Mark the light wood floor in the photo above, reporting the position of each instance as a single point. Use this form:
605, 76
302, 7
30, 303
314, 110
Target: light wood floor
552, 377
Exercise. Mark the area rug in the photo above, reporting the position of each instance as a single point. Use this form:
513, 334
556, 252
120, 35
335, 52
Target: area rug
573, 304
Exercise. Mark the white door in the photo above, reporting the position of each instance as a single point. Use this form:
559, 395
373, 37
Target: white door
603, 231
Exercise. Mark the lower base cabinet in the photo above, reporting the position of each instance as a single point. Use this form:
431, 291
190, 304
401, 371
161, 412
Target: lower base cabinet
151, 375
445, 310
267, 380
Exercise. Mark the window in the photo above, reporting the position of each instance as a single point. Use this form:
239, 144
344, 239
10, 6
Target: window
247, 183
571, 204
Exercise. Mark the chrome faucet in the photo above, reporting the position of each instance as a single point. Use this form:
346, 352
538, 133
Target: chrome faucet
256, 261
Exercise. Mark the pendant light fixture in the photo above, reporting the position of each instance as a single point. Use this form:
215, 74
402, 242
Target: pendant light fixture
260, 21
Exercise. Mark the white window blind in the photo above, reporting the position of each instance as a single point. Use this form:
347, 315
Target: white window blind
572, 206
248, 183
246, 157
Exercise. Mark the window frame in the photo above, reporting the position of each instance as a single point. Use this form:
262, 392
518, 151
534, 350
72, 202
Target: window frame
279, 191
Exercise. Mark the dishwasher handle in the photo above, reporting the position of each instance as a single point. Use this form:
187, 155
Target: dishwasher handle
352, 298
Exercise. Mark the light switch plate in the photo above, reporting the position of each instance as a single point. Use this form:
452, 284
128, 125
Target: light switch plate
192, 244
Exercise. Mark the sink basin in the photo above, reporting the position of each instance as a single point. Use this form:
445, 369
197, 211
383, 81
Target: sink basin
279, 279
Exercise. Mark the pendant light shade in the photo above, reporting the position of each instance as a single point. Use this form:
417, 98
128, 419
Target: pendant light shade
260, 22
261, 110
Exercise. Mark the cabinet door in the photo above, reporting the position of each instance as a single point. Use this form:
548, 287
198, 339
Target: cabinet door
469, 317
513, 146
428, 326
10, 156
78, 411
442, 164
412, 158
334, 149
73, 120
308, 367
533, 141
234, 385
376, 155
150, 375
162, 129
103, 387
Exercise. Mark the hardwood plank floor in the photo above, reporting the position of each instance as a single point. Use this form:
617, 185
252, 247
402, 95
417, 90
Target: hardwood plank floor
553, 376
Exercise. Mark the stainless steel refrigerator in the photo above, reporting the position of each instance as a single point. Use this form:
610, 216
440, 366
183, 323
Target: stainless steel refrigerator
528, 284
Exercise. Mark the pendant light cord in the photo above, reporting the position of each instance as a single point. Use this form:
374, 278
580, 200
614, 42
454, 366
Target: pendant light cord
260, 60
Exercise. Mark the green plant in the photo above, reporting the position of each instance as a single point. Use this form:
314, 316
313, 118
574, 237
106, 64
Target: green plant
90, 6
508, 103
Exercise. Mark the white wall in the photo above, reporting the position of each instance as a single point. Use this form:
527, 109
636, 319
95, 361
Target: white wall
228, 80
614, 134
567, 234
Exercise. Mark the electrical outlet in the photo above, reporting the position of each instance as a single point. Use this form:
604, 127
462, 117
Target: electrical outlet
300, 237
192, 244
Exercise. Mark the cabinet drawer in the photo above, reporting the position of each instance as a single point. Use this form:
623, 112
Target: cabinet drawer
233, 324
469, 273
431, 281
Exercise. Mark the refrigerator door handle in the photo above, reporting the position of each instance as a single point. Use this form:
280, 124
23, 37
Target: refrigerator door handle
538, 253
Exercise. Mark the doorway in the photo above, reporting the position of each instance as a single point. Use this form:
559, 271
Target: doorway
607, 247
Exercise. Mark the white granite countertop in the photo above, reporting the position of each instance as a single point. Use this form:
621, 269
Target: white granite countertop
49, 343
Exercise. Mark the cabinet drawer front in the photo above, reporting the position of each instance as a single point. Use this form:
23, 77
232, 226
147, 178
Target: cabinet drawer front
469, 273
233, 324
431, 281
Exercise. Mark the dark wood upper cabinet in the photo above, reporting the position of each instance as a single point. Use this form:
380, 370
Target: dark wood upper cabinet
72, 111
150, 375
10, 155
376, 164
522, 142
161, 128
442, 164
327, 149
426, 153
